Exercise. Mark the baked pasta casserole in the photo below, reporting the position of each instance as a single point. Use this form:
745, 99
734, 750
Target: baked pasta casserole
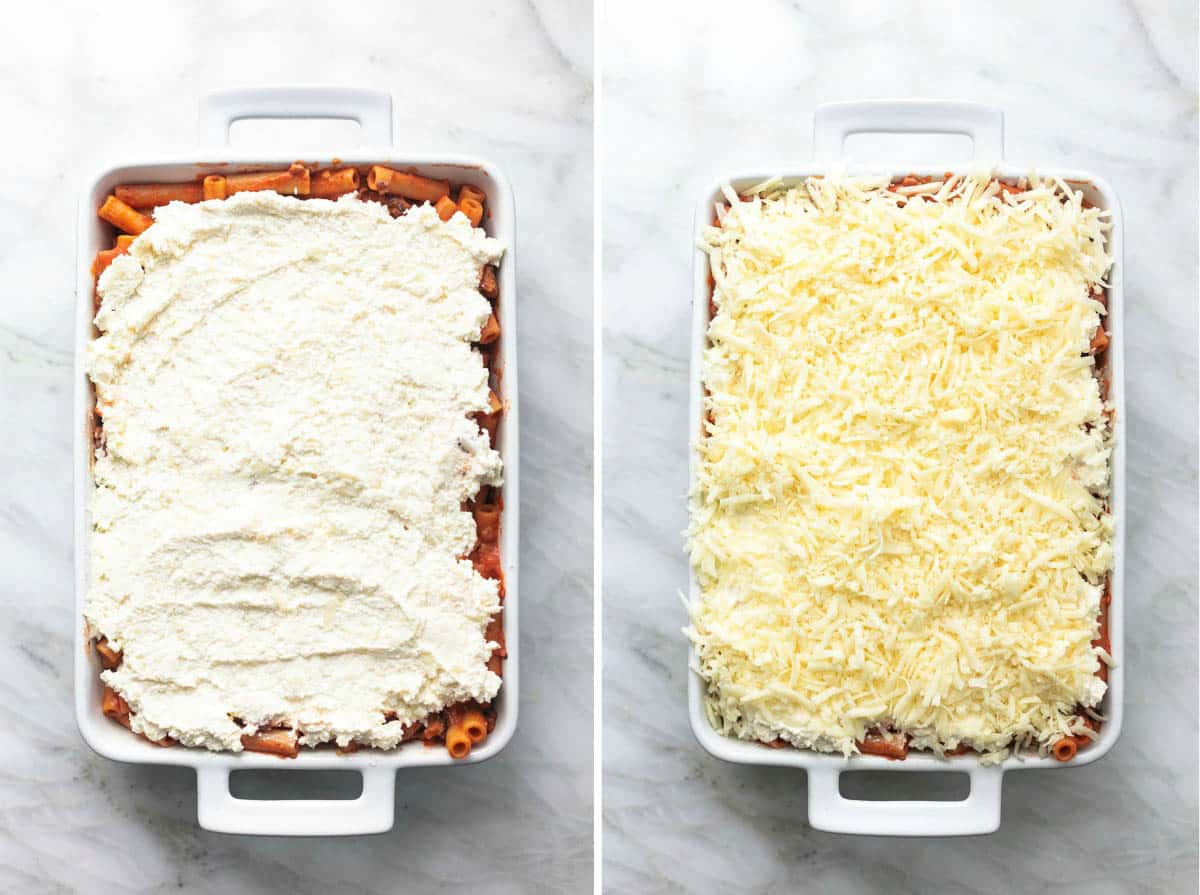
900, 523
296, 515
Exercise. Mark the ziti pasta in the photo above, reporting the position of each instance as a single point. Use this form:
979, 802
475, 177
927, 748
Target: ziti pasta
296, 519
899, 523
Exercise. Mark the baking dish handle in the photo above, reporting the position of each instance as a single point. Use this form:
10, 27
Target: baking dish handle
372, 109
834, 122
978, 813
372, 812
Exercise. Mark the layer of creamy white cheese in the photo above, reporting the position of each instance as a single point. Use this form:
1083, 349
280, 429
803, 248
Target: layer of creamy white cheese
278, 528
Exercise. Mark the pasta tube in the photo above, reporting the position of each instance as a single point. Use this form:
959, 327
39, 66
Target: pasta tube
889, 745
458, 742
475, 726
489, 287
330, 184
110, 659
486, 559
152, 195
114, 706
104, 258
282, 742
487, 522
410, 186
446, 208
473, 210
295, 181
466, 191
495, 634
490, 331
123, 217
434, 728
1065, 749
215, 187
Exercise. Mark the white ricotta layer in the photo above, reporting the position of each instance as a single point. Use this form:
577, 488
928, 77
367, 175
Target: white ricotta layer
278, 522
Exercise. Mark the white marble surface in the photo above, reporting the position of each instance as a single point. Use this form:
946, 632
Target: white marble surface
85, 83
1105, 86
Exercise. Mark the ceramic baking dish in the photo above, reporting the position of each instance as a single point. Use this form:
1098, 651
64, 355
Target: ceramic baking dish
374, 810
980, 811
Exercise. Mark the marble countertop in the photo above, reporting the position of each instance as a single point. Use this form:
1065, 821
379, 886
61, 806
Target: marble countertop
1111, 90
511, 81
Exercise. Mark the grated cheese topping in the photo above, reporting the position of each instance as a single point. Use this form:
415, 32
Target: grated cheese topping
899, 517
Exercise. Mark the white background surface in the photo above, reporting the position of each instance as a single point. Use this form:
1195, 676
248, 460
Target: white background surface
82, 84
687, 97
1108, 87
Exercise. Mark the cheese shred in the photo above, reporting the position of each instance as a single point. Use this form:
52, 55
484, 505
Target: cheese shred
899, 518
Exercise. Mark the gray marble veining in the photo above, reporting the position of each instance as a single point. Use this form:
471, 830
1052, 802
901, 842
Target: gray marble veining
509, 80
1108, 87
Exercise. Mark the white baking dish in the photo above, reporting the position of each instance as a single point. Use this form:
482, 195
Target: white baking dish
374, 810
980, 811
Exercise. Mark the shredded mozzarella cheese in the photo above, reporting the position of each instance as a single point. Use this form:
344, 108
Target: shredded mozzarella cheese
899, 518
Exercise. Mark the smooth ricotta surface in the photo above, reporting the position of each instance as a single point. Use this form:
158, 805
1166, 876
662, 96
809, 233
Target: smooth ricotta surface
900, 506
278, 521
